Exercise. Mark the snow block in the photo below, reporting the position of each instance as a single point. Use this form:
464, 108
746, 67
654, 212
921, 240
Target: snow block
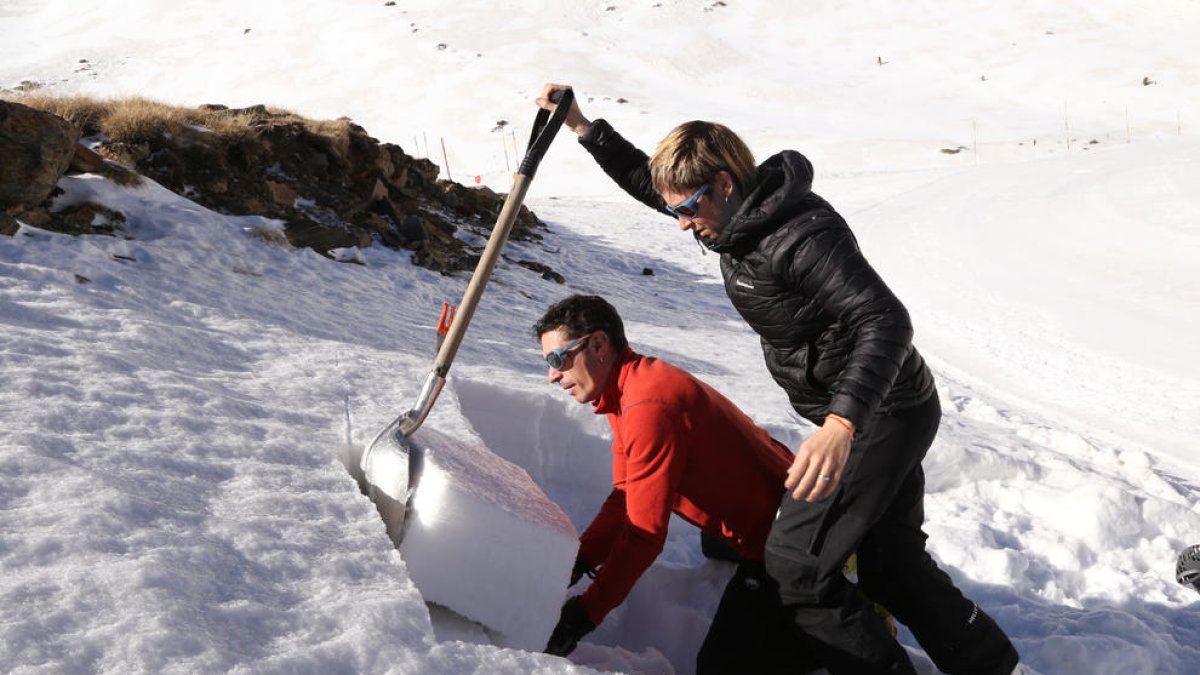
483, 539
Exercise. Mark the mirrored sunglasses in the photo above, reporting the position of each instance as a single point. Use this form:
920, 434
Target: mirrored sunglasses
558, 358
689, 207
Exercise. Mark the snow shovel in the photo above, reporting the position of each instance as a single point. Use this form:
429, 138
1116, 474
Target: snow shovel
394, 452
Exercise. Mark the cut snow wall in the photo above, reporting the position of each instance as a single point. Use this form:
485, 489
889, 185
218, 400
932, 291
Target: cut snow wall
483, 540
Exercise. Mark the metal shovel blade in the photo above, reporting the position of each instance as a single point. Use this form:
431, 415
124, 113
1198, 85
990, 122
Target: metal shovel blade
392, 466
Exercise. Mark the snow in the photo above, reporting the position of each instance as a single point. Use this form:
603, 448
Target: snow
474, 516
180, 408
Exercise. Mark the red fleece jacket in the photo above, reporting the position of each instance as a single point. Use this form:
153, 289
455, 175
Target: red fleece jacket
679, 446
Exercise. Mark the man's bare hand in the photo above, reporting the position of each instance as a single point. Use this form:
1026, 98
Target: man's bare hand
817, 469
574, 120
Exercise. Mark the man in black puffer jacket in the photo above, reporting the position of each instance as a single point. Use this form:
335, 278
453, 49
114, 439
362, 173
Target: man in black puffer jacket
839, 343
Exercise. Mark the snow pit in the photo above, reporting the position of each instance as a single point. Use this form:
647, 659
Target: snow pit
565, 447
483, 540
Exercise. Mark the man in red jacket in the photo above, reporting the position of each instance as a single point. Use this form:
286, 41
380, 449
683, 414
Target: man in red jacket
678, 446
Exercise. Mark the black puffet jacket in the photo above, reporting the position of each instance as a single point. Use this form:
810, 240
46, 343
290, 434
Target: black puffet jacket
834, 336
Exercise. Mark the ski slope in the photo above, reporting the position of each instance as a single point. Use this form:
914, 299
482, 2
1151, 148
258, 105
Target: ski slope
179, 406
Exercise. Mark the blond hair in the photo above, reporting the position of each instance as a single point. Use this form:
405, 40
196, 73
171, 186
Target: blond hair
693, 153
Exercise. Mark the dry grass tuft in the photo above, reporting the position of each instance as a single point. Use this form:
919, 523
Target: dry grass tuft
122, 176
270, 235
136, 119
85, 113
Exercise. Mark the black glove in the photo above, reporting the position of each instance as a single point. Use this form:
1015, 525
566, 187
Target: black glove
582, 567
573, 624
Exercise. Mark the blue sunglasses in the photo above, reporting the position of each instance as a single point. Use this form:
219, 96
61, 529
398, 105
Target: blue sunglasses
557, 358
689, 207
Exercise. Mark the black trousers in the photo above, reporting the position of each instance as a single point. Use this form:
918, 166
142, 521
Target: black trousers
878, 510
747, 635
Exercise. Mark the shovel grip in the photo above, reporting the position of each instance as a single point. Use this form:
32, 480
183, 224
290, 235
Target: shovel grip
545, 126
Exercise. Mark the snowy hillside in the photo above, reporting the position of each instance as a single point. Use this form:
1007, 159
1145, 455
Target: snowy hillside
179, 406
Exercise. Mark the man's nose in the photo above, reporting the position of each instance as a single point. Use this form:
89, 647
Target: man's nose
685, 224
553, 376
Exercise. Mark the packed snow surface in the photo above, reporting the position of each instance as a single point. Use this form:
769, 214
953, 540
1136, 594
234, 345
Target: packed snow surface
181, 408
473, 515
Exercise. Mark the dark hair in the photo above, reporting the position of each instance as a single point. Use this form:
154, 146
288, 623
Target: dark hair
579, 315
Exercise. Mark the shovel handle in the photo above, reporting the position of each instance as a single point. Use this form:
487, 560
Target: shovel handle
545, 126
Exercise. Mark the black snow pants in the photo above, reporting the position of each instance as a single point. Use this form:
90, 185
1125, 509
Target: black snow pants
747, 635
878, 510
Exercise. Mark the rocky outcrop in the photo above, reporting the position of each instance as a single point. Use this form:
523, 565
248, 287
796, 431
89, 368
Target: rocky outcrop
331, 183
37, 148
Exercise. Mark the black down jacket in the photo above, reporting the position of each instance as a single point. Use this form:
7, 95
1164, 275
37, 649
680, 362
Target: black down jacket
834, 336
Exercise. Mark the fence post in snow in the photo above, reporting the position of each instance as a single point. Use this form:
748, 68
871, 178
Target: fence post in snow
1067, 125
446, 159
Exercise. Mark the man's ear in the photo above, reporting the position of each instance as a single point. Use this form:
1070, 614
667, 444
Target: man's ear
725, 183
600, 341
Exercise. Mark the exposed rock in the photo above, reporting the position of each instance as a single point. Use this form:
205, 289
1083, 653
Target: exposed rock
86, 160
334, 187
314, 235
126, 153
545, 270
412, 228
282, 194
37, 148
330, 183
87, 218
8, 225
